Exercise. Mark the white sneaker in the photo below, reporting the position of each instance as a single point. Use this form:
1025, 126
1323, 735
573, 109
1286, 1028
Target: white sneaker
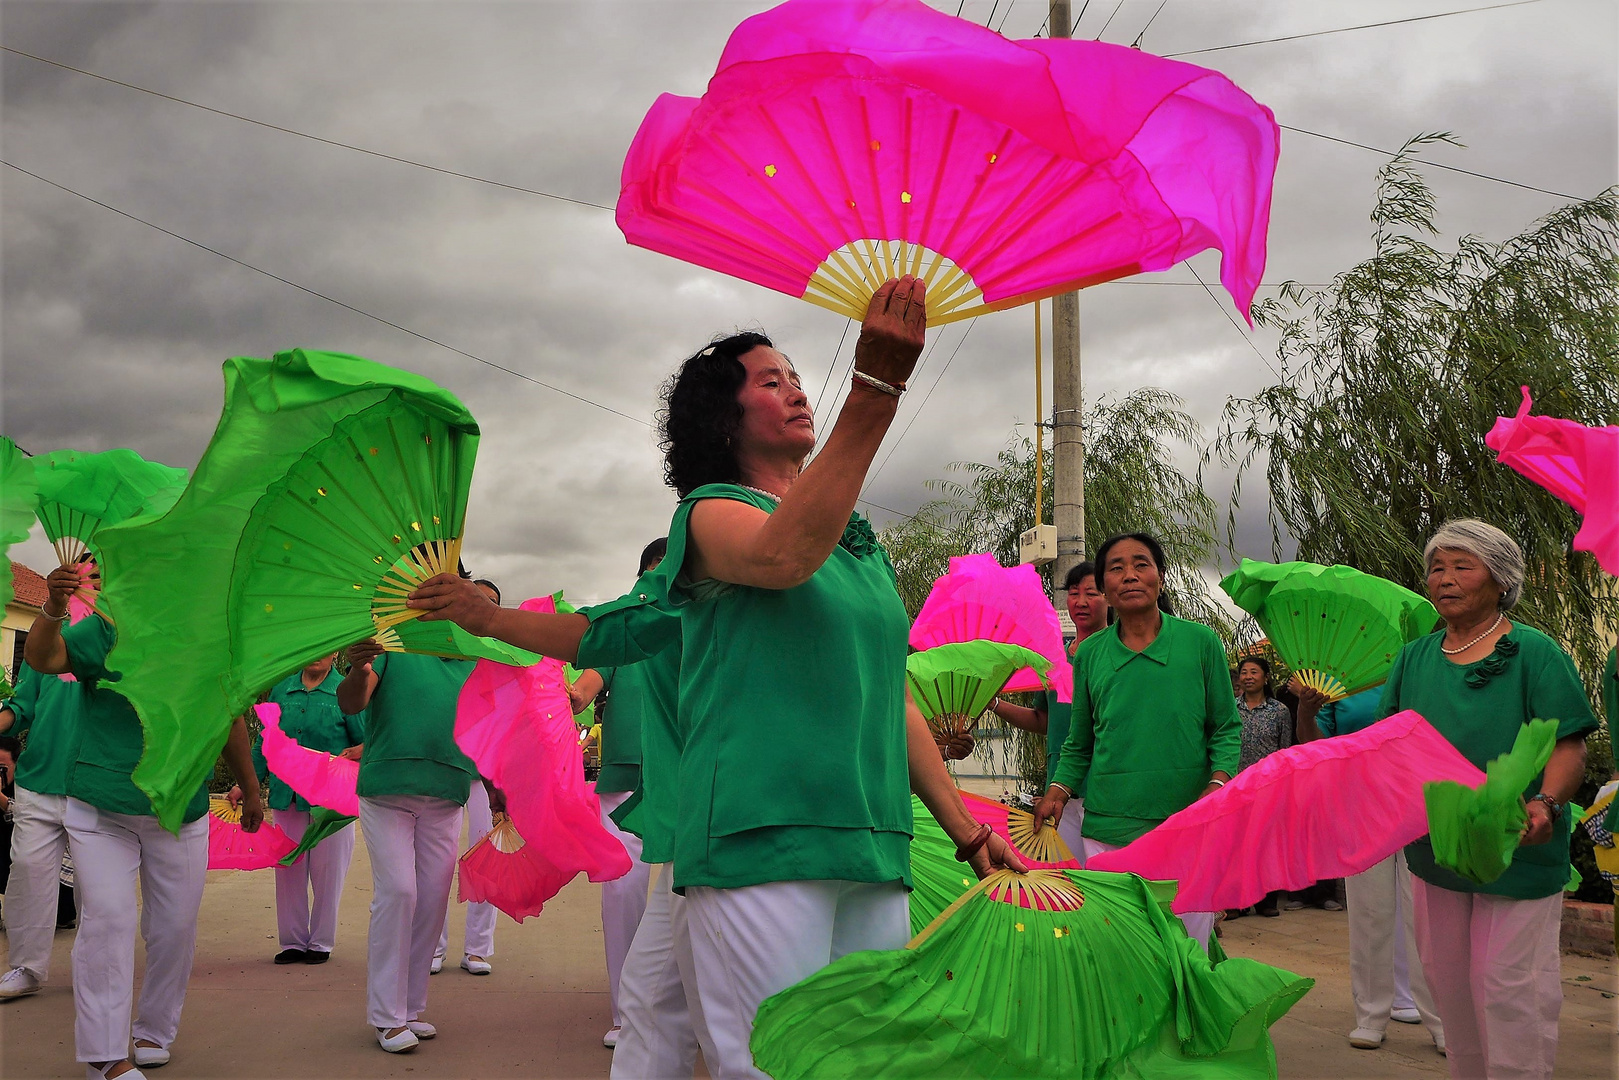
93, 1073
18, 982
421, 1029
1365, 1039
150, 1056
476, 965
1406, 1016
397, 1044
610, 1039
438, 964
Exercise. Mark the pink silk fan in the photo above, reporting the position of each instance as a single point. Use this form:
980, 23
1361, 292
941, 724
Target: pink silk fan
981, 600
516, 725
322, 779
1578, 464
1320, 810
232, 848
842, 144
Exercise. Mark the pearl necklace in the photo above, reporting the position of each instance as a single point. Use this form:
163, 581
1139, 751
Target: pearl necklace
762, 491
1475, 641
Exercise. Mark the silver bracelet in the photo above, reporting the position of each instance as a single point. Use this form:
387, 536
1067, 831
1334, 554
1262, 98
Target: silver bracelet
1216, 780
59, 618
892, 389
1065, 790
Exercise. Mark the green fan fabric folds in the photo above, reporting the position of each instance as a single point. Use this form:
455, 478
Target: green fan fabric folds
81, 493
443, 638
937, 879
17, 489
1474, 831
326, 474
962, 678
1334, 620
322, 823
1113, 989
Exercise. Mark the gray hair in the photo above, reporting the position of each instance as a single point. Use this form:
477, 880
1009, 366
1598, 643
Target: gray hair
1499, 553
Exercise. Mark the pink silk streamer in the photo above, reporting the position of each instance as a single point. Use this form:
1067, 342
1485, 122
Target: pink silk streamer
1578, 464
518, 883
232, 848
979, 599
322, 779
1038, 166
1323, 809
516, 725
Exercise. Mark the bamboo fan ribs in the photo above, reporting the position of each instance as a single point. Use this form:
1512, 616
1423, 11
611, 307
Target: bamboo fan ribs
80, 493
953, 684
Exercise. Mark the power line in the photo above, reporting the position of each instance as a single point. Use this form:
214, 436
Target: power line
323, 296
835, 354
1136, 44
1435, 164
1099, 33
1235, 325
1347, 29
307, 135
872, 479
1086, 6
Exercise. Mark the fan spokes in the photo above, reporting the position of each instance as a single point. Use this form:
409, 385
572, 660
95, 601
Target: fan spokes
1323, 683
425, 560
1043, 846
504, 837
1043, 890
950, 723
69, 550
846, 279
220, 807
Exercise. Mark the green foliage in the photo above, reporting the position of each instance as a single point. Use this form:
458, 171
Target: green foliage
1394, 373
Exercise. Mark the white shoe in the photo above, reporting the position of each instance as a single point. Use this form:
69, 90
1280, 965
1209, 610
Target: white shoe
1439, 1045
476, 965
610, 1039
150, 1056
438, 964
1406, 1016
93, 1073
18, 982
1365, 1039
421, 1029
397, 1044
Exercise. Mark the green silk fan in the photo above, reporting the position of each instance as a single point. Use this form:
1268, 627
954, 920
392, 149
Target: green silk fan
953, 684
1337, 628
443, 638
16, 506
332, 487
937, 879
1474, 831
323, 822
79, 493
1095, 979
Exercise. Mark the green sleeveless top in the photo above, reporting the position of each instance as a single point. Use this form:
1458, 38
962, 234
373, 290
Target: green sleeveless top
791, 713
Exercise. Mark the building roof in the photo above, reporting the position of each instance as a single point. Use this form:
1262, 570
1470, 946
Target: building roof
28, 586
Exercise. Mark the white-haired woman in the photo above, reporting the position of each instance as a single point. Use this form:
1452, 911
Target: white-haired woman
1491, 952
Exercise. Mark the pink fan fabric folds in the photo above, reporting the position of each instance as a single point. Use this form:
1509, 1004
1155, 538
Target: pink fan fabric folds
994, 814
517, 726
1578, 464
1323, 809
1038, 166
322, 779
518, 883
981, 600
232, 848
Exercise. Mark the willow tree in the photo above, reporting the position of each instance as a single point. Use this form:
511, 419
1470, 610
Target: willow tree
1132, 484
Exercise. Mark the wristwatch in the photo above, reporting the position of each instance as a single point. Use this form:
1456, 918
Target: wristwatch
1551, 804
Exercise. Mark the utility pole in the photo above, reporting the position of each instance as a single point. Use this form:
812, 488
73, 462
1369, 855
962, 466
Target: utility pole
1067, 435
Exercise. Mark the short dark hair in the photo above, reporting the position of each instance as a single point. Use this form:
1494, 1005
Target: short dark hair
12, 743
1077, 574
653, 552
1154, 548
1262, 664
701, 414
490, 585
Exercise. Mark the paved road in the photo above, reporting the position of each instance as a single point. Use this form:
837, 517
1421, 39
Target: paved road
543, 1011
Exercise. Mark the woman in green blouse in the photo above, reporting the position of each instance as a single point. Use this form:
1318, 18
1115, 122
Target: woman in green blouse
1154, 726
800, 749
1490, 953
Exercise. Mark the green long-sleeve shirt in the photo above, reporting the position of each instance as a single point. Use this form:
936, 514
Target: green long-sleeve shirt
1148, 729
47, 708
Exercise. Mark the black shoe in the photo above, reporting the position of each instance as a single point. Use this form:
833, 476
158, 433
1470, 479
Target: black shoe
1268, 912
315, 956
1235, 913
69, 925
291, 956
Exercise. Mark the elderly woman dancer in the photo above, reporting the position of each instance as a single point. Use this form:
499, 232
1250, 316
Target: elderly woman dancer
1490, 952
792, 843
1153, 727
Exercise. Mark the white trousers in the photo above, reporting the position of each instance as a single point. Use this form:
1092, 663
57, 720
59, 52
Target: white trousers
1494, 970
755, 941
661, 1013
623, 903
110, 852
1199, 924
1073, 817
412, 843
322, 870
38, 838
1405, 948
480, 936
1375, 926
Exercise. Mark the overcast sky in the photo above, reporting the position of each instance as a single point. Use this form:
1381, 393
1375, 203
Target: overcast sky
113, 333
